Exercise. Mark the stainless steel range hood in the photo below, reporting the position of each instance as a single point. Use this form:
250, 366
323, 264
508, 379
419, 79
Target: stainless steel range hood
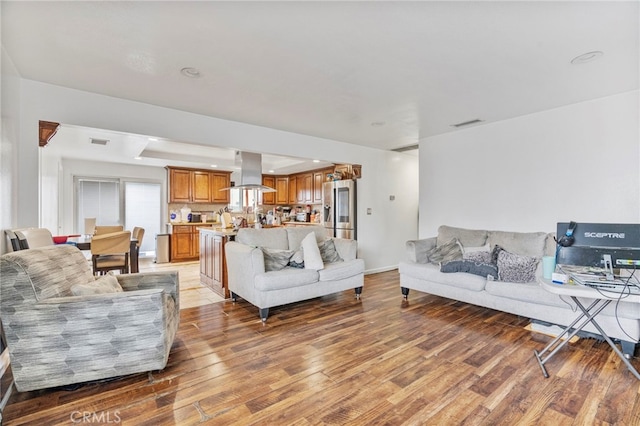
250, 172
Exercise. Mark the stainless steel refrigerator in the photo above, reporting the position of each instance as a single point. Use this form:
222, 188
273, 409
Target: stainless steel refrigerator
339, 208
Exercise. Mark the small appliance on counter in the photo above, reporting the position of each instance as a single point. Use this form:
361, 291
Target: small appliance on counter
195, 217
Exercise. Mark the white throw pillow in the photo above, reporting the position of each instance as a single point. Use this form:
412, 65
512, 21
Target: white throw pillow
103, 285
311, 252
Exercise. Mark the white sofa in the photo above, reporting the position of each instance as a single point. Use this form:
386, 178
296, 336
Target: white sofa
619, 320
249, 279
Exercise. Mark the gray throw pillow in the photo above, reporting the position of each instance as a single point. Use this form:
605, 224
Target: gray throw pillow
515, 268
451, 250
486, 270
328, 252
103, 285
275, 259
478, 257
297, 260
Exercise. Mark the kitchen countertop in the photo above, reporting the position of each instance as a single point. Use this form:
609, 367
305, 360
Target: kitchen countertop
219, 231
291, 222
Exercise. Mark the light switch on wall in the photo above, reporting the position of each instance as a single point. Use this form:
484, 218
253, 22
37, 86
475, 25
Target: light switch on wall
368, 210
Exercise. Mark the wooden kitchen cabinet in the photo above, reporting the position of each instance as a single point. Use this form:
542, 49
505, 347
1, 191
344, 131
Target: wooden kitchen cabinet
282, 190
213, 266
316, 193
185, 243
198, 186
268, 198
179, 186
220, 180
304, 184
293, 193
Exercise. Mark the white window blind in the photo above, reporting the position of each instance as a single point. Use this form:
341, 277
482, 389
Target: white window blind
99, 199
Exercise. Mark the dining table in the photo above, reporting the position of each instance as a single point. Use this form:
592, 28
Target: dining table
83, 242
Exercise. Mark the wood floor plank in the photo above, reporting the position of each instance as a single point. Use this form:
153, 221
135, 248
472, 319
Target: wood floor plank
339, 360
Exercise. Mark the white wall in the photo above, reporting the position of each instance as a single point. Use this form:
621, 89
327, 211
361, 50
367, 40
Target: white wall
579, 162
384, 173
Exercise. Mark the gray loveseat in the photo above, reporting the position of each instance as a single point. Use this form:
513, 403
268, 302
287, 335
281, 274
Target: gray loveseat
249, 279
620, 321
57, 338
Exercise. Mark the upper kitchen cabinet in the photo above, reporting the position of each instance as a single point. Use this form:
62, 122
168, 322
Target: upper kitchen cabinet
282, 189
268, 198
220, 180
318, 180
198, 186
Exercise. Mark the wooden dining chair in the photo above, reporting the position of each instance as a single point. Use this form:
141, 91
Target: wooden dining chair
108, 229
110, 252
137, 234
34, 237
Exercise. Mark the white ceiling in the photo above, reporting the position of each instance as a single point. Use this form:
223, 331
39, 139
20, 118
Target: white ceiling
332, 69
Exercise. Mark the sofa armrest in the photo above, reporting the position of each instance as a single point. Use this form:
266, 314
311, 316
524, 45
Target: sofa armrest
165, 280
244, 262
417, 249
347, 249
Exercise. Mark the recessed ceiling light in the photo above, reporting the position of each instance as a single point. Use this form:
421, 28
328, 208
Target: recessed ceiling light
316, 161
214, 165
137, 158
190, 72
272, 171
378, 124
587, 57
153, 139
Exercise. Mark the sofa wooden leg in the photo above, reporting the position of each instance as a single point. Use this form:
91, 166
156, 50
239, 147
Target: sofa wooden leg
264, 313
405, 292
234, 297
358, 292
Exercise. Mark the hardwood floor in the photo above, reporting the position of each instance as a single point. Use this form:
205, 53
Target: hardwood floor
337, 360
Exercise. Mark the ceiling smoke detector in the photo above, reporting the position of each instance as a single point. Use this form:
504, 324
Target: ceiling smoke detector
102, 142
190, 72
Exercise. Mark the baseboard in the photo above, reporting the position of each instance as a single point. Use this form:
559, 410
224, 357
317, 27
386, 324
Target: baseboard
378, 270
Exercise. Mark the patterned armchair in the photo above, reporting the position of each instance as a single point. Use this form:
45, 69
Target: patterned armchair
56, 338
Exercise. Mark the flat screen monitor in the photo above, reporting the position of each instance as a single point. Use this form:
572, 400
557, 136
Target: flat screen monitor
597, 244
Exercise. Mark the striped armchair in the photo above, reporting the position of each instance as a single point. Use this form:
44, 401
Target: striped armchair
55, 338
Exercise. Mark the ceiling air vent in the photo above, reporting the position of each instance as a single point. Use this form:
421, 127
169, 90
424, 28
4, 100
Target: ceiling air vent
467, 123
99, 141
405, 148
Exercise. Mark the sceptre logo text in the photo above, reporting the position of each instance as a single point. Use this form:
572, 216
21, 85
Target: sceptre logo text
604, 235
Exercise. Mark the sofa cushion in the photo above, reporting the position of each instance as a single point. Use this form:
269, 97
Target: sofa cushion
328, 252
285, 278
295, 234
274, 238
526, 292
103, 285
479, 257
515, 268
275, 259
311, 252
341, 270
297, 259
451, 250
523, 243
466, 237
486, 270
431, 273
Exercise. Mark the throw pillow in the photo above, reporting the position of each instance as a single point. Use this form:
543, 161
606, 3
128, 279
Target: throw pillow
275, 259
494, 254
486, 270
478, 257
451, 250
297, 261
515, 268
311, 252
103, 285
328, 252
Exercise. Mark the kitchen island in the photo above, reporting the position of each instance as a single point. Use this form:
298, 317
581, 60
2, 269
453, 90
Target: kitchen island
213, 266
